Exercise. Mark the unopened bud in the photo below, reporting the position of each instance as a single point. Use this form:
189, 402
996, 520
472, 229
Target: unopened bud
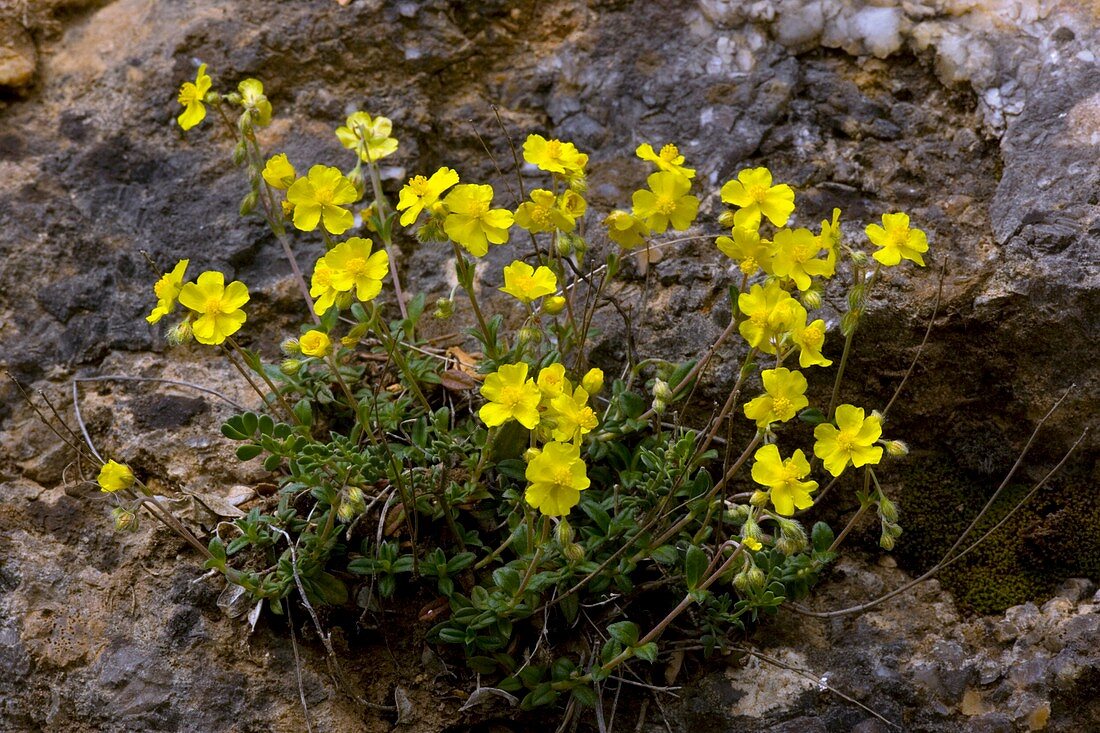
346, 511
578, 183
530, 335
359, 181
751, 529
355, 494
432, 231
793, 531
659, 407
860, 258
444, 309
244, 123
564, 245
592, 382
574, 552
759, 498
344, 300
125, 520
896, 448
290, 367
887, 510
662, 391
886, 541
290, 347
788, 547
248, 203
530, 454
180, 333
726, 219
751, 578
811, 299
553, 305
738, 513
565, 533
240, 152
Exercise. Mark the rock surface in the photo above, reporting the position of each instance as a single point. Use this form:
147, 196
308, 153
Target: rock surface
979, 118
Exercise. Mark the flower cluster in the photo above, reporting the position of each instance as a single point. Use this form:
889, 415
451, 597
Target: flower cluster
666, 202
349, 269
215, 309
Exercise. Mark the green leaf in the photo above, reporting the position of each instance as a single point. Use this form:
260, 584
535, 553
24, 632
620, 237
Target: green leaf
570, 605
665, 555
248, 452
812, 415
647, 652
695, 564
624, 632
544, 694
821, 536
272, 463
217, 548
249, 422
584, 695
507, 579
330, 589
303, 410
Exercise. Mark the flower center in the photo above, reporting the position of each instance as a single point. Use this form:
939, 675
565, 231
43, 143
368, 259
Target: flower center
525, 283
563, 477
479, 208
553, 149
323, 195
189, 94
669, 153
212, 306
586, 419
666, 204
748, 265
800, 253
419, 185
846, 440
356, 267
758, 193
899, 237
510, 397
813, 336
162, 288
541, 215
780, 405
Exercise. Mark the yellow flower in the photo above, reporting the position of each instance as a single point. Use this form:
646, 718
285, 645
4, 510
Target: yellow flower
747, 249
543, 213
829, 239
753, 191
572, 205
554, 156
572, 416
785, 395
770, 312
625, 229
666, 202
354, 267
525, 283
512, 396
368, 136
167, 289
810, 338
254, 100
218, 306
794, 255
115, 477
318, 196
553, 382
556, 477
783, 479
278, 172
471, 222
853, 440
315, 343
191, 96
321, 287
752, 543
420, 193
897, 240
669, 159
593, 380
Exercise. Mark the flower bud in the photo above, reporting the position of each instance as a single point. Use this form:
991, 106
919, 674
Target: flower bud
662, 391
240, 153
578, 183
432, 231
444, 309
726, 219
359, 181
564, 245
346, 511
180, 333
788, 547
574, 552
659, 407
759, 498
290, 367
792, 530
565, 533
244, 123
886, 541
288, 209
738, 513
896, 448
290, 347
592, 382
860, 258
887, 509
355, 494
811, 299
530, 454
248, 203
344, 300
751, 529
553, 305
751, 578
125, 520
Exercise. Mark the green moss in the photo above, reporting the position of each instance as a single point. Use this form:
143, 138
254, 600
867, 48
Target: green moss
1011, 567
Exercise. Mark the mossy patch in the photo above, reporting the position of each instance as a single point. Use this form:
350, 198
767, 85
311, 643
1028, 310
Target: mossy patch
1056, 535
